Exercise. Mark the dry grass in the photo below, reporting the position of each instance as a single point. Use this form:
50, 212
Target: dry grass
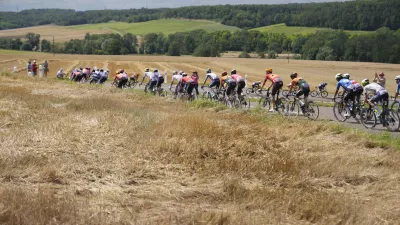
314, 72
77, 154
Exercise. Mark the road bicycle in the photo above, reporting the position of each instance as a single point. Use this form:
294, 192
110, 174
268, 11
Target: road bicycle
372, 116
323, 93
296, 107
266, 101
212, 94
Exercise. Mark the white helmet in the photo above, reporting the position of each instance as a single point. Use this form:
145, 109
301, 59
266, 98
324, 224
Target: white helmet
397, 77
346, 76
339, 76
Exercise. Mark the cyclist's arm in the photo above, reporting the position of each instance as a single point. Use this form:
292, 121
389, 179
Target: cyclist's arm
265, 81
205, 81
270, 85
144, 77
395, 96
172, 82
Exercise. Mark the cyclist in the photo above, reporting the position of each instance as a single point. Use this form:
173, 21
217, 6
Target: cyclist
229, 83
187, 83
195, 77
380, 93
354, 92
304, 88
341, 82
177, 77
240, 83
322, 86
215, 81
276, 84
60, 74
104, 77
134, 78
160, 79
397, 79
153, 79
121, 79
255, 84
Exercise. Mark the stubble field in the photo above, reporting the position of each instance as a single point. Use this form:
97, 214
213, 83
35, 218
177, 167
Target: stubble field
80, 154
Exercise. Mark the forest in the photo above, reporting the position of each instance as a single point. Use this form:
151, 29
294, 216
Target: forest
336, 45
350, 15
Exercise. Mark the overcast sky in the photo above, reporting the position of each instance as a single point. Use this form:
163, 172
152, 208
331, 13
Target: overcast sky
12, 5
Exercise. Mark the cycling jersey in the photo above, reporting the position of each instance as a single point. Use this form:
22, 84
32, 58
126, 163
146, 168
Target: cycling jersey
299, 81
176, 77
273, 78
195, 79
374, 88
121, 76
354, 85
212, 76
344, 83
398, 88
151, 76
227, 80
237, 78
187, 80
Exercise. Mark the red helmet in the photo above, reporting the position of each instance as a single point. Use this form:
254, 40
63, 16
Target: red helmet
224, 73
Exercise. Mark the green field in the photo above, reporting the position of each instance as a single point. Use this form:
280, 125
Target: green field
166, 26
282, 28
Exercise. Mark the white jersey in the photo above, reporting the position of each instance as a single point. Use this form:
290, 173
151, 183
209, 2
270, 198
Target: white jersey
105, 74
151, 76
374, 88
212, 76
176, 77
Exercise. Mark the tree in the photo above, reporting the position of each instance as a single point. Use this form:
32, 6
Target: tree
26, 47
174, 49
244, 55
45, 46
33, 40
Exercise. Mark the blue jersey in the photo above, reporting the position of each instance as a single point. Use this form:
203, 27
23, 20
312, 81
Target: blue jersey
344, 83
398, 88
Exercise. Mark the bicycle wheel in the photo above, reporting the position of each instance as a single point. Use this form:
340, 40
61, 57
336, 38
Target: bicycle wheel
312, 111
339, 111
162, 92
285, 92
292, 109
205, 96
324, 94
265, 103
395, 107
368, 118
249, 91
392, 120
280, 105
314, 93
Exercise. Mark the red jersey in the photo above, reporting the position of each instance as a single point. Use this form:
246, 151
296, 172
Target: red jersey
186, 80
273, 78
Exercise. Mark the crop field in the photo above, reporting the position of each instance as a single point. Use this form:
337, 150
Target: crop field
314, 72
81, 154
289, 30
66, 33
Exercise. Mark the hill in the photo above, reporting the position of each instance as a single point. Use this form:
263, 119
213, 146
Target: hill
165, 26
293, 30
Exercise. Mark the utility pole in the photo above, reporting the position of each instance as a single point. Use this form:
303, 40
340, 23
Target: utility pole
288, 53
53, 47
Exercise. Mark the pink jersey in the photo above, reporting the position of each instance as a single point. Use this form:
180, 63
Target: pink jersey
237, 77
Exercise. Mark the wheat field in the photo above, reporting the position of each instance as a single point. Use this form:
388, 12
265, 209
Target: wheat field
80, 154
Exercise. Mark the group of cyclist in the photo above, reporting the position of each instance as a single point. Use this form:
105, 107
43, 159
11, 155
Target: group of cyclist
85, 74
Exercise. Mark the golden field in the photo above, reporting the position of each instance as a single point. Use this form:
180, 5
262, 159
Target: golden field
81, 154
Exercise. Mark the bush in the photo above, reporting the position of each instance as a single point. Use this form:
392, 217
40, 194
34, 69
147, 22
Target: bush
26, 47
244, 55
272, 55
261, 55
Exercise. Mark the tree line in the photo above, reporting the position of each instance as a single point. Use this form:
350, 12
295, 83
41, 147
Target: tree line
336, 45
350, 15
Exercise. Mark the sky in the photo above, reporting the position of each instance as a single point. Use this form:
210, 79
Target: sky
81, 5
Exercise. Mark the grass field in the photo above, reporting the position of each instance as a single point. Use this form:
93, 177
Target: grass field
282, 28
66, 33
80, 154
166, 26
314, 72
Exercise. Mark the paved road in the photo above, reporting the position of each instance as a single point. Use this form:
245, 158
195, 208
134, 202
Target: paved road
326, 113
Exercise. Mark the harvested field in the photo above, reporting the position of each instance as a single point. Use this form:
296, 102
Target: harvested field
80, 154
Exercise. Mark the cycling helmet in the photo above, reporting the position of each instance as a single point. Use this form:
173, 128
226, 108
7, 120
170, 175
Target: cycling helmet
155, 70
365, 82
233, 71
147, 70
108, 70
268, 70
181, 72
208, 70
346, 76
397, 77
184, 74
174, 73
121, 71
101, 70
293, 75
224, 73
339, 76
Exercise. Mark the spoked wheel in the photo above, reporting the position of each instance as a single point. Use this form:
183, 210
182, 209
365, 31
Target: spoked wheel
324, 94
312, 112
206, 96
314, 93
280, 105
392, 121
265, 103
339, 111
162, 93
249, 91
292, 109
285, 92
396, 106
368, 118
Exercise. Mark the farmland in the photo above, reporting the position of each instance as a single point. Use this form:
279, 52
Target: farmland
65, 33
95, 155
293, 30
